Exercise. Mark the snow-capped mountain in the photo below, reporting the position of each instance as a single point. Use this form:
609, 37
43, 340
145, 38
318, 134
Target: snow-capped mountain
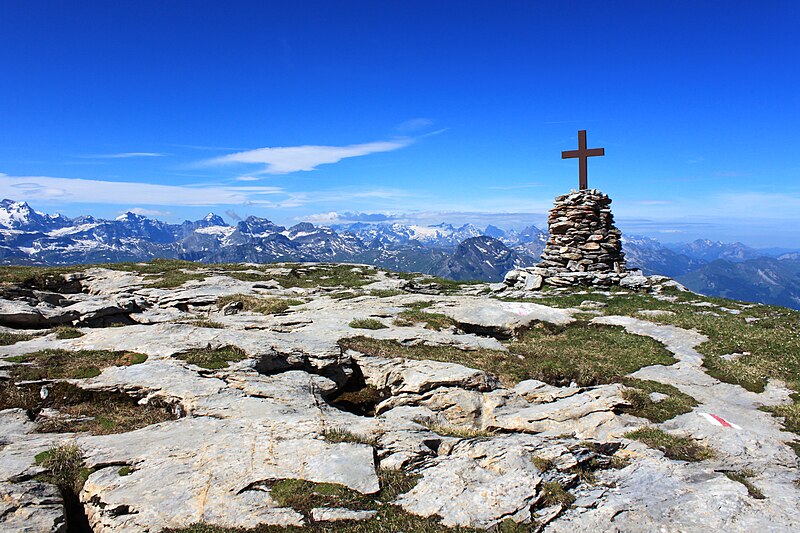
29, 237
707, 250
438, 235
484, 258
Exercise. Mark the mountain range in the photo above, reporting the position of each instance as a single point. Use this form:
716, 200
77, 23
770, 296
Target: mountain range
29, 237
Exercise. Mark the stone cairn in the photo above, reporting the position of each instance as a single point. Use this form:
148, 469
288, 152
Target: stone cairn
583, 237
584, 248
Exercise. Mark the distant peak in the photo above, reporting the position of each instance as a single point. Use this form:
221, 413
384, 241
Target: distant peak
129, 215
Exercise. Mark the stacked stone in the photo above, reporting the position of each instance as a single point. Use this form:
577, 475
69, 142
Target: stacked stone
584, 247
583, 237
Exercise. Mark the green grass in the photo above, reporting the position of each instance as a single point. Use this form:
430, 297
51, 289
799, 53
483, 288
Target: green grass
205, 323
552, 493
338, 434
67, 332
674, 447
41, 278
344, 295
326, 275
772, 341
125, 471
80, 410
451, 430
367, 323
790, 414
449, 286
742, 476
389, 519
434, 321
64, 464
256, 304
416, 306
304, 495
637, 392
770, 344
542, 464
212, 358
587, 355
385, 293
7, 338
60, 364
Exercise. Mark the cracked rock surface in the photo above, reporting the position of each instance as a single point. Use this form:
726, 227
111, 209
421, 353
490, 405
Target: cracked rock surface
481, 452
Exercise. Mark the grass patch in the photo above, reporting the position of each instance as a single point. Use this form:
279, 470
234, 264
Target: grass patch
172, 279
205, 323
304, 495
389, 519
789, 412
542, 464
742, 476
125, 471
67, 332
361, 401
674, 447
585, 354
449, 286
552, 493
450, 430
434, 321
326, 275
770, 343
385, 293
212, 358
7, 338
367, 323
63, 364
64, 464
416, 306
339, 434
80, 410
40, 278
255, 304
638, 391
344, 295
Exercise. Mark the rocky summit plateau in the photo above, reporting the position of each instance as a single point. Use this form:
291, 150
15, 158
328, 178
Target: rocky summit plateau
172, 396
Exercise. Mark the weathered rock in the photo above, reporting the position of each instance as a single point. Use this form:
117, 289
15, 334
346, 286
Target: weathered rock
31, 507
270, 416
327, 514
501, 319
412, 376
479, 483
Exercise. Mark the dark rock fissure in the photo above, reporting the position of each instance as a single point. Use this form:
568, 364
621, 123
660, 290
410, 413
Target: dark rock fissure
77, 521
356, 396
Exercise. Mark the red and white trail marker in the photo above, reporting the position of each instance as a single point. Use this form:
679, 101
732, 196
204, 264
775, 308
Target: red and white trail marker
719, 421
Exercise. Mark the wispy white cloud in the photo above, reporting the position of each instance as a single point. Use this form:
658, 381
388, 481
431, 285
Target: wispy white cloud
415, 124
124, 155
286, 159
76, 190
146, 212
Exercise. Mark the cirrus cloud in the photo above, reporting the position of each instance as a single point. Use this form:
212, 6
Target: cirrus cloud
287, 159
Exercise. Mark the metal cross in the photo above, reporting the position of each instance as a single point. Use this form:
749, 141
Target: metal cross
582, 153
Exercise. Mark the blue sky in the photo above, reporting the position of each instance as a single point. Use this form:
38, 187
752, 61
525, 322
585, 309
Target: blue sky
418, 111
